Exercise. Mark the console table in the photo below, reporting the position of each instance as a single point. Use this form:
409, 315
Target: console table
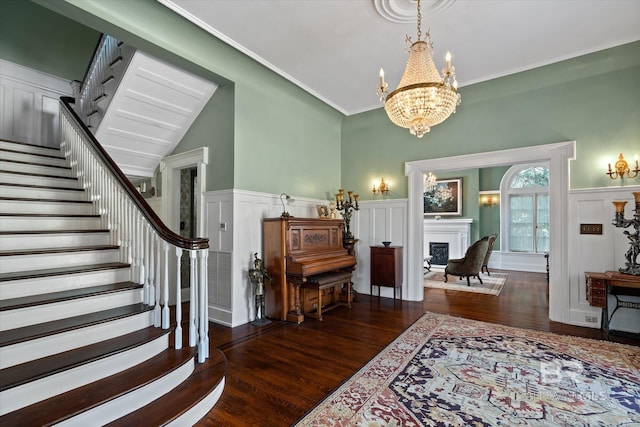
600, 285
386, 268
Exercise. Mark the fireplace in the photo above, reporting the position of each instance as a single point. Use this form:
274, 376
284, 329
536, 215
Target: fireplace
439, 252
455, 232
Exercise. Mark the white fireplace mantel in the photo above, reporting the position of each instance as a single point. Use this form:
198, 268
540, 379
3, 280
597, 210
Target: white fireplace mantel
454, 231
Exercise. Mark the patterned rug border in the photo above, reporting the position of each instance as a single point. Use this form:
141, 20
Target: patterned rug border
476, 287
431, 325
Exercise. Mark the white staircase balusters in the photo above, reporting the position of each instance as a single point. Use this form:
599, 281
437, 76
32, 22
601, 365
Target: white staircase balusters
203, 343
145, 243
156, 311
165, 288
178, 299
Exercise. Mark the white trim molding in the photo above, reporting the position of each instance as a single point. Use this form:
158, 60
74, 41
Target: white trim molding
558, 156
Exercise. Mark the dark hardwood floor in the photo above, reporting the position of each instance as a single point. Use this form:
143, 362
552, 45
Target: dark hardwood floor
276, 373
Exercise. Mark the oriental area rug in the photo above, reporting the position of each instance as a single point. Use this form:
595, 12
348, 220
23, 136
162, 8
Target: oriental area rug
448, 371
490, 284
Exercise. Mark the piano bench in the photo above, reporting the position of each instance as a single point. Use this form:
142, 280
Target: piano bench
324, 281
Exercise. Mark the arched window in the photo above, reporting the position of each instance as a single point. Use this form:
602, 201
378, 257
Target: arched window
525, 209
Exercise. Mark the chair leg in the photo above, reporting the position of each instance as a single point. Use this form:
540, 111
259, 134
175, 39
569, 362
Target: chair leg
468, 281
480, 279
445, 276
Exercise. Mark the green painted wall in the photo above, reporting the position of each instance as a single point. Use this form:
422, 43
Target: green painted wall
48, 35
283, 138
214, 128
593, 99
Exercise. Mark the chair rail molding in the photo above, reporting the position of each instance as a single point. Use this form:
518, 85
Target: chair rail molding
558, 156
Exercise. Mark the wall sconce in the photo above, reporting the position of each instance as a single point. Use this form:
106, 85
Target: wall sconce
283, 197
489, 198
622, 168
382, 188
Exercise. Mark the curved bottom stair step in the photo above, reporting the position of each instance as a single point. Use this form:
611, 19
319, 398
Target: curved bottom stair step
100, 394
188, 402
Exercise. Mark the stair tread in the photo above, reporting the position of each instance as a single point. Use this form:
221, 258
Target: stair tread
37, 200
42, 175
40, 299
43, 251
49, 215
25, 333
28, 144
170, 406
95, 230
59, 271
24, 162
44, 187
63, 406
50, 365
49, 156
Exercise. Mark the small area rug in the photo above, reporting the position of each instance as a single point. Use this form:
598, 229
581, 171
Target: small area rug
490, 284
448, 371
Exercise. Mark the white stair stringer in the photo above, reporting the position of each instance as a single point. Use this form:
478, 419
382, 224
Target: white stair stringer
48, 345
19, 288
134, 400
20, 317
54, 384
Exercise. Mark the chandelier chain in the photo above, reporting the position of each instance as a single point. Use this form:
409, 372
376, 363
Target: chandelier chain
419, 22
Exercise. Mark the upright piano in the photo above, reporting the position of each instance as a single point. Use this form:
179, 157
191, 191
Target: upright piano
304, 253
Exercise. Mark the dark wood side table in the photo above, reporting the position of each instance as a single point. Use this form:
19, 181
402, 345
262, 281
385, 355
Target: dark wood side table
386, 268
601, 285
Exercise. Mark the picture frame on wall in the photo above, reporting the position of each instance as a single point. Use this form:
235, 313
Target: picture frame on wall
444, 199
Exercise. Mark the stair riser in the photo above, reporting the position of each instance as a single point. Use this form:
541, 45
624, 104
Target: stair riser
58, 240
17, 263
43, 285
56, 223
42, 193
27, 316
29, 148
32, 158
37, 169
199, 410
46, 346
132, 401
35, 391
13, 178
55, 208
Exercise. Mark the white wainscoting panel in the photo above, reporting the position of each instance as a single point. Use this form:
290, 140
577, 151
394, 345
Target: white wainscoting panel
375, 222
234, 228
598, 253
29, 104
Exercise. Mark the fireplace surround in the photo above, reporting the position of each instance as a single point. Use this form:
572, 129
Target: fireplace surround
456, 233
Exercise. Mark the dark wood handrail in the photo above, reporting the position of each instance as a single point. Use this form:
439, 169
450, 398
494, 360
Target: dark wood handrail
163, 231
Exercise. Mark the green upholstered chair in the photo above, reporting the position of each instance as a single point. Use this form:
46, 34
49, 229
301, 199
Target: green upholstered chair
485, 263
471, 264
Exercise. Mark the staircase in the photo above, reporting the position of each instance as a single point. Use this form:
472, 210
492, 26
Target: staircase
80, 340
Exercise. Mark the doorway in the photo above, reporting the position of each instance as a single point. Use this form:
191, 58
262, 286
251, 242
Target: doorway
558, 156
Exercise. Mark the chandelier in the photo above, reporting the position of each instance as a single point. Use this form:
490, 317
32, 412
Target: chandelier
429, 182
423, 97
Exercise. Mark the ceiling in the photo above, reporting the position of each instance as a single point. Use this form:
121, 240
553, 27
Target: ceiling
334, 48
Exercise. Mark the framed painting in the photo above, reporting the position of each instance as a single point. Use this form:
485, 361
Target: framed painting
445, 198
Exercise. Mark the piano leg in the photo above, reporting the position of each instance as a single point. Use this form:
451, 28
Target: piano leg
296, 315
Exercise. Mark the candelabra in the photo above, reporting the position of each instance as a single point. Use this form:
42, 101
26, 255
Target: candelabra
348, 206
632, 266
